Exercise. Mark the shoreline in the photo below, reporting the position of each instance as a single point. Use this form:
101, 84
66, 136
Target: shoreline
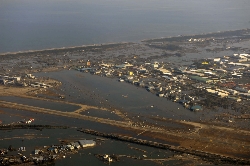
201, 35
64, 48
210, 34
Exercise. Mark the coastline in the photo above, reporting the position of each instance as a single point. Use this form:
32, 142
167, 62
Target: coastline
64, 48
239, 32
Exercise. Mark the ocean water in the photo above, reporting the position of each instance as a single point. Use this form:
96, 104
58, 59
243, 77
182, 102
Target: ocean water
35, 24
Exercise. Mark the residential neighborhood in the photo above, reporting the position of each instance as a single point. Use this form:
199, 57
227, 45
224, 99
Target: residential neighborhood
226, 77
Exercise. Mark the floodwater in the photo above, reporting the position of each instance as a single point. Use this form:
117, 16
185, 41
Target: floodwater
41, 103
13, 115
33, 139
109, 93
138, 103
104, 92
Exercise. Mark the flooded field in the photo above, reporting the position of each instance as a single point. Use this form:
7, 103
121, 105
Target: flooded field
41, 103
34, 139
109, 93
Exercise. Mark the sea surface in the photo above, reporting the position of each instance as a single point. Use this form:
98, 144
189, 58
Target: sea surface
35, 24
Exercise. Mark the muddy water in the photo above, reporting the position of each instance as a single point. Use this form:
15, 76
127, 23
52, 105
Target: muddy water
41, 103
33, 139
136, 102
109, 93
11, 115
98, 91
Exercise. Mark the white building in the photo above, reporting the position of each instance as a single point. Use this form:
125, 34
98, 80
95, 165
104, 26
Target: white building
216, 59
87, 143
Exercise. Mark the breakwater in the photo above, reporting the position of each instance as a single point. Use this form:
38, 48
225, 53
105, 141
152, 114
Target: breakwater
210, 157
